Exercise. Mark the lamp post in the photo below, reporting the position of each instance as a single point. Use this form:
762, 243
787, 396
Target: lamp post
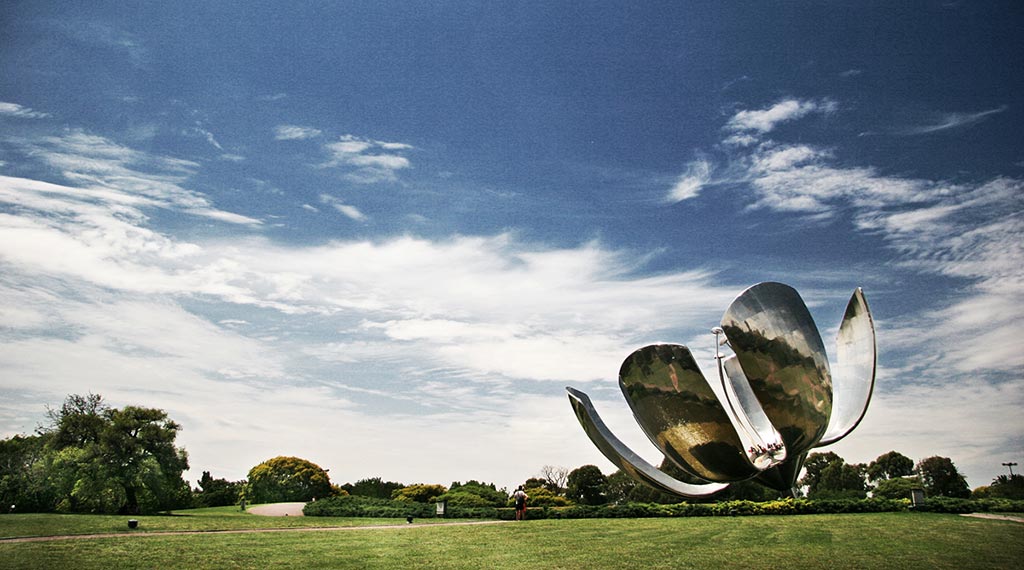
1010, 465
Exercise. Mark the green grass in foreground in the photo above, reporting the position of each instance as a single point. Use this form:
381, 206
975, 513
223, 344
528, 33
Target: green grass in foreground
887, 540
216, 518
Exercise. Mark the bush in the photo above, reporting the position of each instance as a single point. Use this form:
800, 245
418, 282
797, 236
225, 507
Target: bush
366, 507
284, 479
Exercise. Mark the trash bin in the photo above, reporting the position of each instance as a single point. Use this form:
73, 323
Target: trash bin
132, 523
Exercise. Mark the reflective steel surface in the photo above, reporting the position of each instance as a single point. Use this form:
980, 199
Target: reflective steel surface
780, 352
853, 377
779, 398
625, 459
680, 413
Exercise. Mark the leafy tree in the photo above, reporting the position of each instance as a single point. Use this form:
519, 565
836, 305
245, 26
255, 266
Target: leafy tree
619, 487
828, 476
1004, 487
890, 465
586, 485
218, 492
79, 421
941, 478
419, 493
541, 497
372, 487
287, 479
22, 478
94, 458
814, 465
139, 456
896, 488
474, 494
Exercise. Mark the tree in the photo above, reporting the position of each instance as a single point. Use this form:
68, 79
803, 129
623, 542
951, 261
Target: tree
419, 493
556, 478
940, 478
890, 465
828, 476
541, 497
1005, 487
586, 485
474, 494
23, 483
218, 492
138, 454
286, 479
372, 487
896, 488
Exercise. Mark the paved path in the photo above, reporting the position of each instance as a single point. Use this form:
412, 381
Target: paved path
279, 510
240, 531
996, 517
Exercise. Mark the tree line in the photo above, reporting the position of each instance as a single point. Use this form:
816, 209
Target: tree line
94, 458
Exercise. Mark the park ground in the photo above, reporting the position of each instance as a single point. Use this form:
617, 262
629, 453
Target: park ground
229, 538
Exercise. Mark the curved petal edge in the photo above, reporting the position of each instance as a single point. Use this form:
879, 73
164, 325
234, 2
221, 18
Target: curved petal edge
853, 375
627, 460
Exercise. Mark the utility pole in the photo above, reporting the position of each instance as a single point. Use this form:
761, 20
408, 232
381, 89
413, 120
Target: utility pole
1010, 465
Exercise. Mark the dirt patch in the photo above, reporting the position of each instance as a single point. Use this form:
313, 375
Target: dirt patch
278, 510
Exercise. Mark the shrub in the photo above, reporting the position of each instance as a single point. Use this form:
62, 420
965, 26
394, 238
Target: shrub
287, 479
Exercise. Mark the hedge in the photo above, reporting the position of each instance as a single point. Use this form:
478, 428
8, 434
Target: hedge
368, 507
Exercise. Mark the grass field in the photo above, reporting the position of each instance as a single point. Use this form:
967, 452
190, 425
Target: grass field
889, 540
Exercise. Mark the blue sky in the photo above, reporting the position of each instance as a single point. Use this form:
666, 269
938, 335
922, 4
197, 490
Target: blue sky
385, 235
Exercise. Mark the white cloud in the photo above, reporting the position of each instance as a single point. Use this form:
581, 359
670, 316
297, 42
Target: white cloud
294, 132
16, 110
966, 231
690, 183
765, 120
349, 211
366, 160
104, 171
949, 121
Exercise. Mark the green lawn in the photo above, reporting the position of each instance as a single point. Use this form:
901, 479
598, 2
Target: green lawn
216, 518
888, 540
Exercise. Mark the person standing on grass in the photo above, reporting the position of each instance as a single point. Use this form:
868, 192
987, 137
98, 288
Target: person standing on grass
520, 497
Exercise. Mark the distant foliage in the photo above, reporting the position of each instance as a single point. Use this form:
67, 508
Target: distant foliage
889, 466
542, 497
941, 479
217, 492
372, 487
586, 485
287, 479
96, 459
1002, 487
474, 494
897, 488
828, 476
419, 493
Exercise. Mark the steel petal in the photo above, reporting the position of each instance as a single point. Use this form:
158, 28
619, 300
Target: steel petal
625, 459
681, 414
853, 375
781, 353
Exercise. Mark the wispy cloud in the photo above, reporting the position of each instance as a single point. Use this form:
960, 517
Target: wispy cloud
104, 171
690, 182
16, 110
295, 132
350, 211
368, 160
758, 122
969, 231
949, 121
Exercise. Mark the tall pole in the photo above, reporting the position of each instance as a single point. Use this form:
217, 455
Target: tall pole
1010, 465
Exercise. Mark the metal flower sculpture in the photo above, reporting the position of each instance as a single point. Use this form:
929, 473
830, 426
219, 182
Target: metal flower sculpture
776, 400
